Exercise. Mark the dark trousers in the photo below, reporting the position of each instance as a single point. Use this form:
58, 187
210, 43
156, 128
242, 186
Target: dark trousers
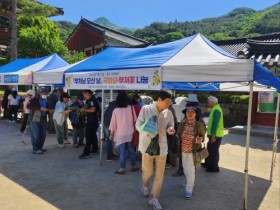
212, 161
13, 112
91, 138
50, 125
5, 109
109, 143
38, 134
24, 122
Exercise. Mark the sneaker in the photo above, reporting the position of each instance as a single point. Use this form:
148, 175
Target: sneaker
38, 152
188, 195
168, 165
61, 145
67, 142
145, 191
155, 204
83, 156
44, 150
184, 184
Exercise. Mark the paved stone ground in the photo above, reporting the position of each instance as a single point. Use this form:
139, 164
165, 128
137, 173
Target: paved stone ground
58, 180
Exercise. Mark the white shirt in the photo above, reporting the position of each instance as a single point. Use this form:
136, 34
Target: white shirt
14, 101
165, 121
26, 101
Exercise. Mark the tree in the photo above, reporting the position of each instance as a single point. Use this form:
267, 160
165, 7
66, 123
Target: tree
31, 8
38, 37
14, 46
73, 56
169, 37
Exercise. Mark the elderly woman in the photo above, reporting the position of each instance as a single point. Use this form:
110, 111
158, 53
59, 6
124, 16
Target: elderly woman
191, 133
60, 117
122, 129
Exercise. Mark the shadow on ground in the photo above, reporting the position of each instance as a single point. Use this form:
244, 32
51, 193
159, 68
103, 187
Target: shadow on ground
68, 183
261, 143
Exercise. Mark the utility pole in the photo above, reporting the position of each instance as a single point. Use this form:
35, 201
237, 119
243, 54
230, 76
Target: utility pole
14, 48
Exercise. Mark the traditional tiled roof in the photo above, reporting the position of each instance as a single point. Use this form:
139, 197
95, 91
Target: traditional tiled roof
265, 49
112, 37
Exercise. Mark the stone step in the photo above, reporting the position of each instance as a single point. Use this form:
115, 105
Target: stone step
260, 131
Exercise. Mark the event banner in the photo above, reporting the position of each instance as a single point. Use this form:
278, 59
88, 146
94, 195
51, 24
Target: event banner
136, 79
16, 79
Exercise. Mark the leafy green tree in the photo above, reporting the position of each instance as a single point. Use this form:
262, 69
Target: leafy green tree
171, 36
33, 8
38, 37
73, 56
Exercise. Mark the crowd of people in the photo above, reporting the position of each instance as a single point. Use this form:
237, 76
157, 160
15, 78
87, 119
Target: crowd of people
123, 128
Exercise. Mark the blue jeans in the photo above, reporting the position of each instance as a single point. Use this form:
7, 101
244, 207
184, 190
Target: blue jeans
38, 134
78, 133
109, 143
123, 148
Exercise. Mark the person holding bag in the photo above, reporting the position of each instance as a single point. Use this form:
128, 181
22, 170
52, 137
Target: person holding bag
148, 140
121, 131
191, 134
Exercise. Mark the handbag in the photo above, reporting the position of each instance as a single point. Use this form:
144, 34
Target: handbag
153, 148
174, 145
199, 155
135, 137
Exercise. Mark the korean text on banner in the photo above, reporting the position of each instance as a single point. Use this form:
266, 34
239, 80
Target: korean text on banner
142, 79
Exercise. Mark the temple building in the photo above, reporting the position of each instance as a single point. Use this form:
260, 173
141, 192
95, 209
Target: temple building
91, 38
264, 49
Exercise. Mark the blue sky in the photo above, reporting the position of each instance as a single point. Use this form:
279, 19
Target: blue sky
139, 13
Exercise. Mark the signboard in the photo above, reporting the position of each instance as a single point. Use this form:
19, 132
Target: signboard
137, 79
11, 78
19, 79
267, 102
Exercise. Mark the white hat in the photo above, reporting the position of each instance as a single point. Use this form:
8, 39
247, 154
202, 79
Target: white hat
30, 92
192, 98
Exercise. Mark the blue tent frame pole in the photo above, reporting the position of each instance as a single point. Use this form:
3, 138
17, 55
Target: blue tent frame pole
246, 176
102, 126
275, 138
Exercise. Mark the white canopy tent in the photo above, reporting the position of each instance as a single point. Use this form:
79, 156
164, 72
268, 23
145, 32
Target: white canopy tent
188, 61
53, 76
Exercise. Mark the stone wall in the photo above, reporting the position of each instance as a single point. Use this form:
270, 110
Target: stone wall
234, 114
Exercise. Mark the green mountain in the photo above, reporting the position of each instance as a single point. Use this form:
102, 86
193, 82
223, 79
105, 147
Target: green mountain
66, 28
241, 22
105, 22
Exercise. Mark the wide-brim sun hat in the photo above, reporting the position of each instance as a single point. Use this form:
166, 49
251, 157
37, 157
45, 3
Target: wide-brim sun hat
189, 107
30, 92
192, 98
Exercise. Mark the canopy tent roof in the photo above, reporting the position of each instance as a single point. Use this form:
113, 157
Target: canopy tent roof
20, 71
52, 76
192, 59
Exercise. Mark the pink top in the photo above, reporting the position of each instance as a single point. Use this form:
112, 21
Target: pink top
122, 125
